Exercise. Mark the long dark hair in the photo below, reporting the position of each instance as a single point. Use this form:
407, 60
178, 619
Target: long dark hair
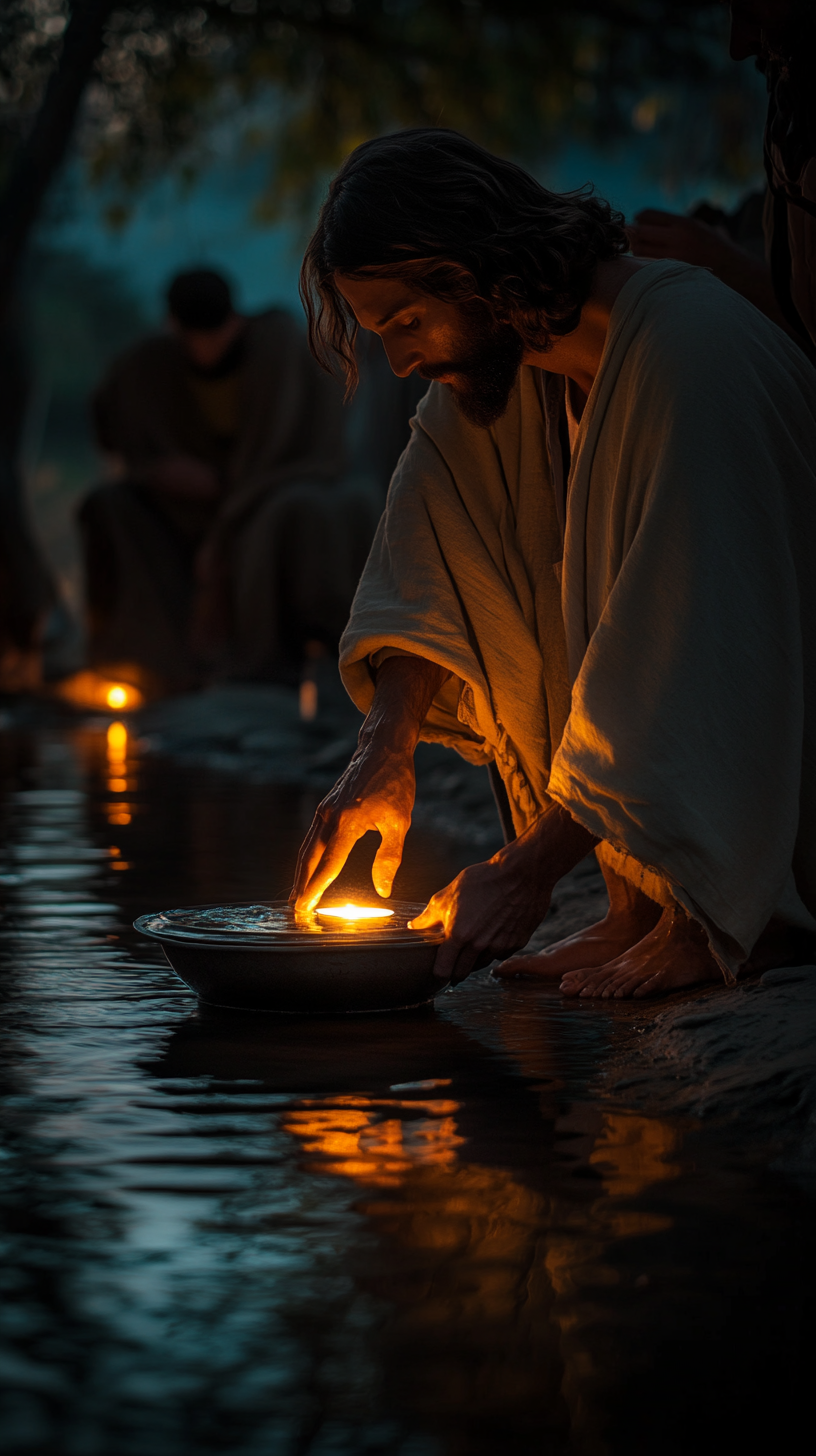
431, 207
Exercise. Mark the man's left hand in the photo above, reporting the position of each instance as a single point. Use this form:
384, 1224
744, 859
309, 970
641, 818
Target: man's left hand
489, 911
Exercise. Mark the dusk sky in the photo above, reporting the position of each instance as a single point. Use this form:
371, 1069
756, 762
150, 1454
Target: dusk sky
171, 228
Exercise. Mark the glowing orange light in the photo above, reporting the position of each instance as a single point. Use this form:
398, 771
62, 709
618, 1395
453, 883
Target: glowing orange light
117, 746
88, 689
307, 700
117, 741
364, 1143
355, 912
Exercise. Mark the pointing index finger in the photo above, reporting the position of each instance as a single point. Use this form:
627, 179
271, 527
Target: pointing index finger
311, 852
334, 856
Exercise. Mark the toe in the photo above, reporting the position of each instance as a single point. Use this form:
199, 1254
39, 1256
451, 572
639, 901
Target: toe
572, 983
586, 983
597, 983
539, 966
520, 965
617, 978
629, 979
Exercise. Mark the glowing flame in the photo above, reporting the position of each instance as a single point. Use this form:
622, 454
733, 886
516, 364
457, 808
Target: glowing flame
307, 700
88, 689
355, 912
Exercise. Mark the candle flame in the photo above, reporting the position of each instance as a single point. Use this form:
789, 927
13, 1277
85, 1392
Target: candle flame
308, 700
356, 912
89, 690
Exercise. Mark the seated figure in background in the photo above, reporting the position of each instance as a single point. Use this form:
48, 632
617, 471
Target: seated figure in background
227, 537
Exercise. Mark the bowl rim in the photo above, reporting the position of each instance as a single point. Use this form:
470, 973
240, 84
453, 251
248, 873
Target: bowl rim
229, 942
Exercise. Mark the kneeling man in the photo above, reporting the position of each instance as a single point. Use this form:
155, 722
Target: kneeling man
595, 571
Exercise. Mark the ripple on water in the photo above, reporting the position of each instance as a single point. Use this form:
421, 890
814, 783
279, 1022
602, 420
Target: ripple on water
415, 1236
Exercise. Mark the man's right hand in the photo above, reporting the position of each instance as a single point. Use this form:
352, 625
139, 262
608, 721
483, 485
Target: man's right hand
375, 792
377, 789
182, 475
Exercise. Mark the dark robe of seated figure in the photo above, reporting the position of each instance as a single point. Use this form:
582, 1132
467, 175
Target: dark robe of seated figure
232, 530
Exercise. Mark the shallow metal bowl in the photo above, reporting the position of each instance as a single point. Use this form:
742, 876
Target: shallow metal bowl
257, 955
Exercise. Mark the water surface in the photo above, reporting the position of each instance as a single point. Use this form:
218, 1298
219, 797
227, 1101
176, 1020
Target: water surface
417, 1235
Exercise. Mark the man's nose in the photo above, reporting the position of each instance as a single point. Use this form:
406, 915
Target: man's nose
403, 358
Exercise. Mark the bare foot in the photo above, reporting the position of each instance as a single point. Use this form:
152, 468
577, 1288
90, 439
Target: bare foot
631, 915
674, 954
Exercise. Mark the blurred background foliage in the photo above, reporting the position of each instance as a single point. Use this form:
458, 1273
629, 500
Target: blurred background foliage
283, 89
308, 79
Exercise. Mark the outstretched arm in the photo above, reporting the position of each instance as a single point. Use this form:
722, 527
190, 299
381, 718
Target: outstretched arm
377, 789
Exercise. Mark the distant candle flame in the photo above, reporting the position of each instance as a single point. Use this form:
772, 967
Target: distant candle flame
308, 700
89, 689
355, 912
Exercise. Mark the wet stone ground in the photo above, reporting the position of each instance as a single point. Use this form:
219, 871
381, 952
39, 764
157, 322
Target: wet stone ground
508, 1225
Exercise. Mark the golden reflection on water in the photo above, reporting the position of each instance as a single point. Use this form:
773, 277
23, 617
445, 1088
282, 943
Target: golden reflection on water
511, 1300
498, 1289
117, 752
357, 1139
462, 1266
633, 1152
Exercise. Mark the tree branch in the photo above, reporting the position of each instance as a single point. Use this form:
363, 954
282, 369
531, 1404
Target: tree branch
40, 155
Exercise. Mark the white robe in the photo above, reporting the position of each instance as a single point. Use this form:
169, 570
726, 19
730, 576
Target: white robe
660, 681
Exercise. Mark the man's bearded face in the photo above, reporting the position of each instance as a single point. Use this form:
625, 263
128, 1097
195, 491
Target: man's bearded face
485, 368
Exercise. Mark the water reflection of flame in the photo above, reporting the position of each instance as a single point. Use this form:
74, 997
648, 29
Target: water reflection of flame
358, 1139
633, 1152
499, 1285
117, 748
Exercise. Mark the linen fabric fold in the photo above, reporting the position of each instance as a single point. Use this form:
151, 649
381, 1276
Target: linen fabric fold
652, 665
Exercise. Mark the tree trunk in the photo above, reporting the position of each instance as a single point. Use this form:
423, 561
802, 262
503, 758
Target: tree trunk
41, 153
27, 592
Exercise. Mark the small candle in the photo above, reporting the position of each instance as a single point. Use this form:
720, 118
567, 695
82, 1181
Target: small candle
308, 700
355, 912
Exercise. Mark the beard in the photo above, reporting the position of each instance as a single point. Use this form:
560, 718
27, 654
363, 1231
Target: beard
485, 370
